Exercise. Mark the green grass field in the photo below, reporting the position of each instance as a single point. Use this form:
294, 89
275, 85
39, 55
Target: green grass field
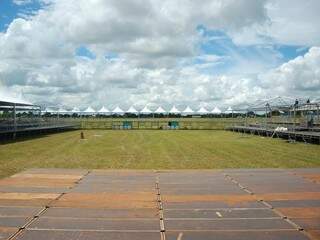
147, 149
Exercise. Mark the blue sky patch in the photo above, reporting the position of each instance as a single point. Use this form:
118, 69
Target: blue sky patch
9, 11
291, 52
238, 58
83, 51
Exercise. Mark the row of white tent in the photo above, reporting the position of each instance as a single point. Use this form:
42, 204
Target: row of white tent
117, 110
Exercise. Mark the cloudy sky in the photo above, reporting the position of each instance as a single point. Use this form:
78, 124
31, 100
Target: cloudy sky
159, 52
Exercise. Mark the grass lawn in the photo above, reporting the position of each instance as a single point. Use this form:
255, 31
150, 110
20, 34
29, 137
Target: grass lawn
155, 150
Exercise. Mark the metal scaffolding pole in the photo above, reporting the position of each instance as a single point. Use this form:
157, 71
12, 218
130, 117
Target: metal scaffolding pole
294, 118
266, 117
14, 121
318, 114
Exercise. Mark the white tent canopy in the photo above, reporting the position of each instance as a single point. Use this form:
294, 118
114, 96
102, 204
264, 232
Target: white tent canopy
117, 110
146, 110
216, 110
103, 110
160, 110
174, 110
132, 110
89, 110
187, 111
203, 111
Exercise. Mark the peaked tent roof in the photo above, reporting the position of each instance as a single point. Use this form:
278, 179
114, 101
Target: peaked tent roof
216, 110
89, 110
132, 110
188, 110
202, 110
104, 110
174, 110
160, 110
117, 110
146, 110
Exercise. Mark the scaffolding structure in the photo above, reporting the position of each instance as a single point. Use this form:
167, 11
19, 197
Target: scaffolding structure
20, 118
281, 117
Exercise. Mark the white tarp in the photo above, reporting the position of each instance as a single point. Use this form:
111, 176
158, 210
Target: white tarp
187, 111
203, 111
160, 110
117, 110
132, 110
146, 110
174, 110
216, 110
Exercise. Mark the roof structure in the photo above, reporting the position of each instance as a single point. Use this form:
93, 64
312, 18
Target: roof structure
11, 101
160, 110
271, 104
